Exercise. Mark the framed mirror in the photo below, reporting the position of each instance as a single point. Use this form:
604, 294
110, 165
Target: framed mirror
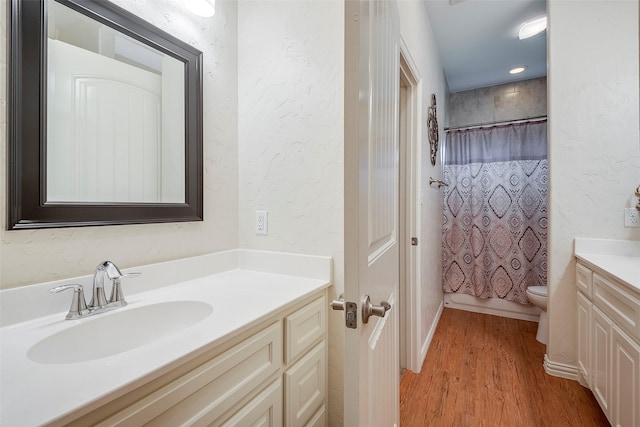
105, 118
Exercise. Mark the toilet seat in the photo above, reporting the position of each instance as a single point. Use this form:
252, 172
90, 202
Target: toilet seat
538, 290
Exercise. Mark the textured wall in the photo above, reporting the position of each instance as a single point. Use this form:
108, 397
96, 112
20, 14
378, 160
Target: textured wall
594, 146
513, 101
290, 118
416, 32
42, 255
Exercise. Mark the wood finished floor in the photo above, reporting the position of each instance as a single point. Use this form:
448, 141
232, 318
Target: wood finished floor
484, 370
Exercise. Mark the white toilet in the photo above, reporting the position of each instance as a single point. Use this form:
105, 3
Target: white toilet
538, 297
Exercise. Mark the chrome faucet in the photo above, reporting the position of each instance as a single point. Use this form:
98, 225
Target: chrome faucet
99, 302
98, 298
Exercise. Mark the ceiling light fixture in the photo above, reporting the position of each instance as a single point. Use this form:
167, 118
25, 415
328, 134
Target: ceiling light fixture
532, 27
204, 8
517, 70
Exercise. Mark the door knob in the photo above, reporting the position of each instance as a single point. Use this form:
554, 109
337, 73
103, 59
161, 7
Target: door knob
338, 304
369, 309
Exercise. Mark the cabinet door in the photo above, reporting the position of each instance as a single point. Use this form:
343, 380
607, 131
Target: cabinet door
584, 337
625, 378
600, 359
305, 387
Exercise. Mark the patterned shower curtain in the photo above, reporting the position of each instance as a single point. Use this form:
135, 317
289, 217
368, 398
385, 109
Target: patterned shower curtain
494, 236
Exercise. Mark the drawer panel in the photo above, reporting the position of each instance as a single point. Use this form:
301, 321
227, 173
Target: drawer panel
305, 387
584, 279
621, 306
304, 328
264, 410
208, 391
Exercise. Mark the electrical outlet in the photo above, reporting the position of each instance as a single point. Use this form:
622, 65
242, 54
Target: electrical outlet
261, 222
631, 217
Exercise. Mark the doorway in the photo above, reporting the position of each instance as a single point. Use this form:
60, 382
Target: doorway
409, 179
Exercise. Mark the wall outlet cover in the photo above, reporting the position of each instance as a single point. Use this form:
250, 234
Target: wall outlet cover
261, 222
631, 217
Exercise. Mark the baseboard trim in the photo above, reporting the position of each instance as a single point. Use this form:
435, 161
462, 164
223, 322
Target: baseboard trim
561, 370
493, 306
432, 331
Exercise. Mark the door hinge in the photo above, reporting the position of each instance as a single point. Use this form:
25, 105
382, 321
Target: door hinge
414, 241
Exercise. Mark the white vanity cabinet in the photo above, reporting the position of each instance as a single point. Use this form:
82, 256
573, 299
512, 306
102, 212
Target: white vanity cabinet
609, 343
273, 374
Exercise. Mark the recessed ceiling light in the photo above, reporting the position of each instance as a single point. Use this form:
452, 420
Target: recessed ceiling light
517, 70
532, 27
205, 8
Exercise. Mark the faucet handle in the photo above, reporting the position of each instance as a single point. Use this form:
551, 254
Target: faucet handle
117, 297
78, 304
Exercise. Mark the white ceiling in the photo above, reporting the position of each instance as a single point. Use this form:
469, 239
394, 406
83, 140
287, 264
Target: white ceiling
478, 41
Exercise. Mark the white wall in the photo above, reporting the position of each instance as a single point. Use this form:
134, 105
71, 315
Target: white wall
416, 32
28, 257
594, 145
290, 140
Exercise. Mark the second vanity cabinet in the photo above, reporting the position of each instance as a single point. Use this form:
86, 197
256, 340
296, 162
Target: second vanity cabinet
273, 374
609, 344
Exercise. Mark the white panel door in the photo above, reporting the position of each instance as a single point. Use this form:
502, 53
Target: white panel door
371, 209
104, 135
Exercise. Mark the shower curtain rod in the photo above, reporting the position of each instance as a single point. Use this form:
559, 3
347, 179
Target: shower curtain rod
494, 124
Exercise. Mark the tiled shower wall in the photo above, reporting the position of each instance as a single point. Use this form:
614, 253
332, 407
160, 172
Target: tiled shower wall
513, 101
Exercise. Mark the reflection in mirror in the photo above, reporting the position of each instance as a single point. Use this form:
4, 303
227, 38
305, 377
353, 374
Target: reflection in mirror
105, 118
114, 111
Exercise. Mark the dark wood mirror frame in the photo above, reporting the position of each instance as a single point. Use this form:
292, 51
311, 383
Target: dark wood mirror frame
27, 205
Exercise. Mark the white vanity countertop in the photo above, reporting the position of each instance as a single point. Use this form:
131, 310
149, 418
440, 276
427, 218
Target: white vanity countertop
619, 258
34, 393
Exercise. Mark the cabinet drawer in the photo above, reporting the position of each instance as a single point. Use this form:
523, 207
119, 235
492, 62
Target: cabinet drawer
304, 328
305, 387
621, 306
263, 410
208, 391
583, 279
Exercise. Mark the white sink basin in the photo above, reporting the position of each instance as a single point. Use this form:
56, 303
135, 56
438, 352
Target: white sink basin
119, 331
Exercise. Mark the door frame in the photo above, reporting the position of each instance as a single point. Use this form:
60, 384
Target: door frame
410, 291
